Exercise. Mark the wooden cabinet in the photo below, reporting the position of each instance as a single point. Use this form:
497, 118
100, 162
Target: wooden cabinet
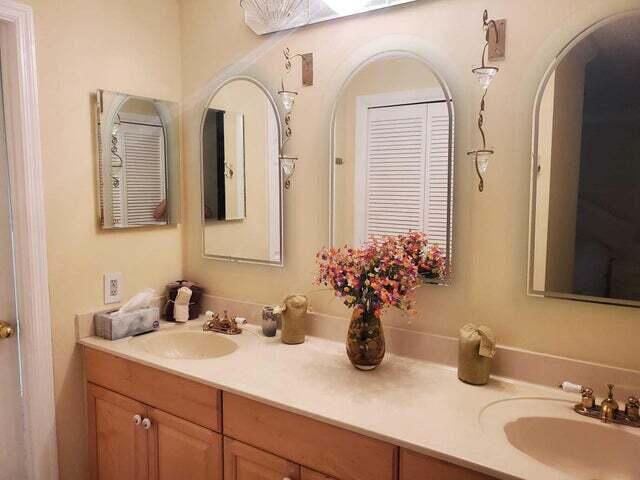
242, 462
414, 466
182, 450
193, 401
312, 475
130, 440
337, 452
146, 424
117, 446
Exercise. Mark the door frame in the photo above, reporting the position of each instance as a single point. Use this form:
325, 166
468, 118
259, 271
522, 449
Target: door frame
17, 44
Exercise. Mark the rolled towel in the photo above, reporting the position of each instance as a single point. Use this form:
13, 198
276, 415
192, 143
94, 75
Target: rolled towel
181, 310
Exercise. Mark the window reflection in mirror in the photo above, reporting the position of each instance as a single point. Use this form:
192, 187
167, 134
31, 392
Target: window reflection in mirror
586, 222
392, 154
241, 184
137, 160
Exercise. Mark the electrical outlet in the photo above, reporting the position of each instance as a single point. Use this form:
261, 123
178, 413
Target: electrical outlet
112, 287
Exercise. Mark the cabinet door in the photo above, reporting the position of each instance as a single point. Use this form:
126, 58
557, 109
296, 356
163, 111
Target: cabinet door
242, 462
180, 450
117, 444
313, 475
414, 466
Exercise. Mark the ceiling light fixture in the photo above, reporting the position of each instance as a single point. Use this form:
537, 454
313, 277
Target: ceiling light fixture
276, 14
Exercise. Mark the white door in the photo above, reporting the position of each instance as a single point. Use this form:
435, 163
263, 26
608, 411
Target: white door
11, 432
404, 173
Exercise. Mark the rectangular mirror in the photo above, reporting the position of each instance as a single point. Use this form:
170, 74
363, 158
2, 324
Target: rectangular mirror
138, 161
585, 222
241, 179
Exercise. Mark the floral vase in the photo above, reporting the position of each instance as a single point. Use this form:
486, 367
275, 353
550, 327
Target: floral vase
365, 339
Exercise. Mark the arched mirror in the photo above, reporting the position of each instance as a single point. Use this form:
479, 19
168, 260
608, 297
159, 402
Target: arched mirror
585, 221
241, 180
392, 155
138, 161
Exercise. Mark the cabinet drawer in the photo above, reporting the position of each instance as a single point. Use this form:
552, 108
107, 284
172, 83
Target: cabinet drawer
414, 466
336, 452
183, 398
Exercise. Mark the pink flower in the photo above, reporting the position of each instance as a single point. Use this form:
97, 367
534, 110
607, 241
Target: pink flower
385, 272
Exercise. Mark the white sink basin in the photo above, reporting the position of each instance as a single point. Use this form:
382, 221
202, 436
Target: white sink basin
186, 345
548, 431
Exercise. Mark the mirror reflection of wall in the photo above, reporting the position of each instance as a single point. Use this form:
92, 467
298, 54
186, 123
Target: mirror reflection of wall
587, 204
392, 154
241, 175
137, 153
224, 180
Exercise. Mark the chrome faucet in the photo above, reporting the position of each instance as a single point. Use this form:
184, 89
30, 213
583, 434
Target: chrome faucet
609, 410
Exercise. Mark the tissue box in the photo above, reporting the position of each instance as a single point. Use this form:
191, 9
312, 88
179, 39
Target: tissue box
113, 326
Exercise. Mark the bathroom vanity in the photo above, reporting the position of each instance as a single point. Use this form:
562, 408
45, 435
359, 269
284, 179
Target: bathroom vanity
145, 423
180, 403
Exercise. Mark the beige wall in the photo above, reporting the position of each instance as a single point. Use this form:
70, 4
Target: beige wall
132, 47
491, 229
566, 148
385, 75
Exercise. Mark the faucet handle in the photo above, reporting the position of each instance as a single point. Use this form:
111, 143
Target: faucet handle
632, 408
569, 387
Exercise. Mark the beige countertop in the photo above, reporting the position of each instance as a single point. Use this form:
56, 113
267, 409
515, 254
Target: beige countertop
414, 404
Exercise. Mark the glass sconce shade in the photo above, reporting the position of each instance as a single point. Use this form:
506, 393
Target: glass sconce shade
482, 159
485, 75
288, 99
288, 165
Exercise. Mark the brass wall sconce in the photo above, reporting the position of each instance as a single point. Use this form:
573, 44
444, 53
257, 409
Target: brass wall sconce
288, 98
485, 74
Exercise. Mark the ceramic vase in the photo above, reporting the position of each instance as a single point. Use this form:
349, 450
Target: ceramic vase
365, 339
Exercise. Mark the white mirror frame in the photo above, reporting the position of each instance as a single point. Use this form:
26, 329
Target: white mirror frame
534, 164
276, 112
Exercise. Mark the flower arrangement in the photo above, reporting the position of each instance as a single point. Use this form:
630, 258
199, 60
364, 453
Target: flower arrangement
385, 272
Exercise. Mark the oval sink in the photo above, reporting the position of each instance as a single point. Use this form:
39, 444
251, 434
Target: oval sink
547, 431
186, 345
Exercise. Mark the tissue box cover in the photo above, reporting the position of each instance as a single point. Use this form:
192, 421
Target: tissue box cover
113, 326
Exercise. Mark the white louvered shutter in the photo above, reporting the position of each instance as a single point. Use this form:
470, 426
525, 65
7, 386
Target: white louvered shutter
437, 184
395, 175
407, 171
143, 174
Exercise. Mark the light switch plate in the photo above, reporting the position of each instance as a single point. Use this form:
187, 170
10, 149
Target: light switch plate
112, 287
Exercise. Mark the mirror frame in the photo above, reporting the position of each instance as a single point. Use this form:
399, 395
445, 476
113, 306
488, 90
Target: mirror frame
203, 224
169, 113
391, 54
564, 51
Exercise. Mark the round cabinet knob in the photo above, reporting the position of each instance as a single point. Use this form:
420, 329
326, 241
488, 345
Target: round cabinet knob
137, 419
146, 424
6, 330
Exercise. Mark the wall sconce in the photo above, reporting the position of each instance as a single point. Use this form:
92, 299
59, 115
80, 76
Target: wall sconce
288, 99
485, 74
